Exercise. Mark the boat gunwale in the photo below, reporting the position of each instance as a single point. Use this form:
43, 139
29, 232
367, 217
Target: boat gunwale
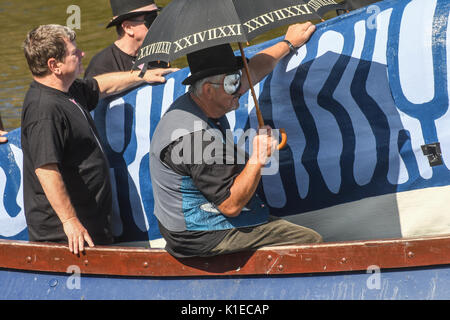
281, 260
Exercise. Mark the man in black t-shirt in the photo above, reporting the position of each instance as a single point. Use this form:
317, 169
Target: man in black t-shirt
132, 20
67, 192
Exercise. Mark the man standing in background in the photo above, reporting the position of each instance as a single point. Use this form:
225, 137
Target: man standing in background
132, 19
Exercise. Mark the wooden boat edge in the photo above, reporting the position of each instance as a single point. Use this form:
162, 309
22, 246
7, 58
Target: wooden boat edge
284, 260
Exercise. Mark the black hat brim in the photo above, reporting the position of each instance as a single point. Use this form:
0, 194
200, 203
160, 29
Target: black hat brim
126, 16
213, 72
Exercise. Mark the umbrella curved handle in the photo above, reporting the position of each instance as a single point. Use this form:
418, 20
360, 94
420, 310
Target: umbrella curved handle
283, 139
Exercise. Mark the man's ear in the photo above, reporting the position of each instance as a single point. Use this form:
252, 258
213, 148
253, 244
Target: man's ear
53, 66
126, 27
207, 90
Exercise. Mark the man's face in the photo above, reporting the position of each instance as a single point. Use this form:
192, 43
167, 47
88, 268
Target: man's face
71, 66
227, 101
140, 26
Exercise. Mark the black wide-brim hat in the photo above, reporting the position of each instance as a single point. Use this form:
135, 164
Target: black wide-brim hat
126, 9
212, 61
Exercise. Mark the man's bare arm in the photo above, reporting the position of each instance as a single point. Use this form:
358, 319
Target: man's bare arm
116, 82
265, 61
245, 184
55, 190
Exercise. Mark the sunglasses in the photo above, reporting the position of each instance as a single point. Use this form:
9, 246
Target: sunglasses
231, 83
148, 19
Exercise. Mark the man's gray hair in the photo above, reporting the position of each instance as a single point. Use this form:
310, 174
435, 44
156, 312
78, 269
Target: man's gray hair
196, 87
43, 43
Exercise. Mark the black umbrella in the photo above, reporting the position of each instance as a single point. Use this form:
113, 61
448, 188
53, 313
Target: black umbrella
185, 26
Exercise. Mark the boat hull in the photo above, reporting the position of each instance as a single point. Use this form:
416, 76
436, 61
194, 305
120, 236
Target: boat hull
412, 283
416, 268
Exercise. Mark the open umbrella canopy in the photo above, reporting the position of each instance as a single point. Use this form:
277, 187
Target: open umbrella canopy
186, 26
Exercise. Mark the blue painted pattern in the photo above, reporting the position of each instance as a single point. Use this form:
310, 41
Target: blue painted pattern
357, 102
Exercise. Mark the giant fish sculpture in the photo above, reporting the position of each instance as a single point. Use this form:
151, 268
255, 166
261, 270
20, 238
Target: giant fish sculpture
365, 104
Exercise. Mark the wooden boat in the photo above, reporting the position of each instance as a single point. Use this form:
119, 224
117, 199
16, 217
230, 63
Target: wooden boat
367, 166
415, 268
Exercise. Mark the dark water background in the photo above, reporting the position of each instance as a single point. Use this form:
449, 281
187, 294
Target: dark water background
20, 16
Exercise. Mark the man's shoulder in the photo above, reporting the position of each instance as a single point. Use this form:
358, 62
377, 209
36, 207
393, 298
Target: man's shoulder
39, 95
40, 104
100, 62
105, 51
184, 110
83, 84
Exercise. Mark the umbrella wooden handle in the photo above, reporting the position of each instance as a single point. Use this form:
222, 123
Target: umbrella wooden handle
255, 100
283, 139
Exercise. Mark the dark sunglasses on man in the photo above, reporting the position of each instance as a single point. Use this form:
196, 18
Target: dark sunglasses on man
148, 19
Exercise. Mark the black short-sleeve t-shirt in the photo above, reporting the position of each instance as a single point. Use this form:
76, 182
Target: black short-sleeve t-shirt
58, 129
112, 59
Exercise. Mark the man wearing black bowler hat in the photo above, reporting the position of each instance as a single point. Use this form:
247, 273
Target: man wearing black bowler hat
204, 192
132, 19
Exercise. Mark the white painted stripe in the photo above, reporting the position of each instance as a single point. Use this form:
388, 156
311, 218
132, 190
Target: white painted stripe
415, 51
114, 125
381, 38
11, 226
297, 58
360, 35
143, 109
330, 136
167, 95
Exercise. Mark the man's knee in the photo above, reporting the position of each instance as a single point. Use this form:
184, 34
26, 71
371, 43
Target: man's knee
315, 237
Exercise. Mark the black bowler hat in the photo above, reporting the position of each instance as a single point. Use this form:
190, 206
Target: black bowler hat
127, 9
212, 61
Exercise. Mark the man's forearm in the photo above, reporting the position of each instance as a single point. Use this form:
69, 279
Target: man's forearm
246, 183
55, 191
109, 83
116, 82
265, 61
242, 190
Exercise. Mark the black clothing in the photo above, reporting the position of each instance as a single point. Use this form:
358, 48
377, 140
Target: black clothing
112, 59
58, 129
214, 181
350, 5
185, 244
